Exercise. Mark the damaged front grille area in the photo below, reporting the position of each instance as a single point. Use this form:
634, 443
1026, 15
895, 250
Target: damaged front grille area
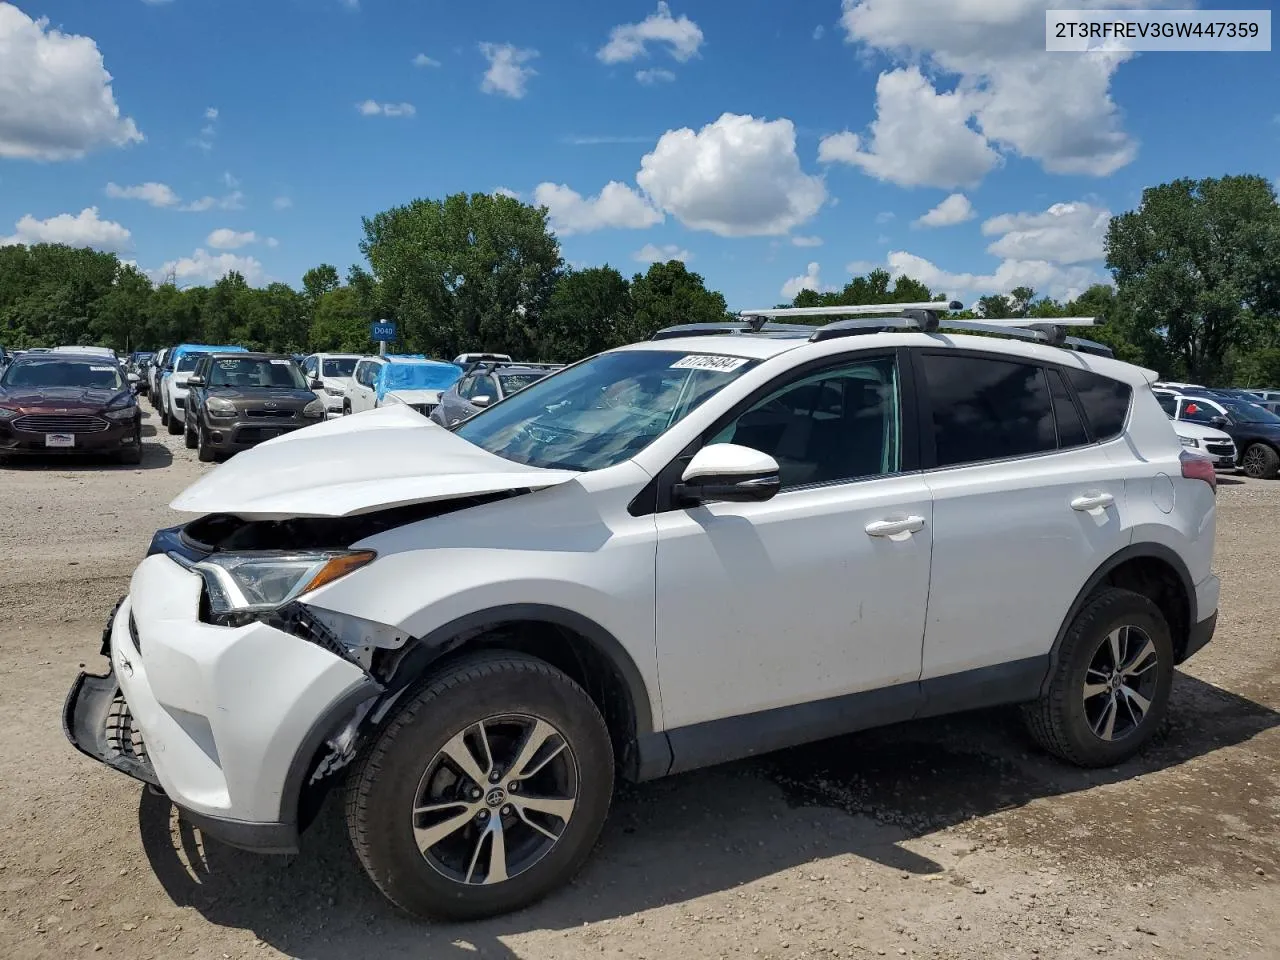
123, 736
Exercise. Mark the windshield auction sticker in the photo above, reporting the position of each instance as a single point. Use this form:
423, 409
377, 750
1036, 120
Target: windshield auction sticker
707, 361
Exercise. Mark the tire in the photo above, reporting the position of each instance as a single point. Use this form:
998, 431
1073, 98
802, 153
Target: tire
346, 408
1072, 724
133, 455
188, 435
1261, 462
407, 762
204, 453
164, 414
174, 425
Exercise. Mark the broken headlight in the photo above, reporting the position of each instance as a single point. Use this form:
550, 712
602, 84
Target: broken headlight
255, 582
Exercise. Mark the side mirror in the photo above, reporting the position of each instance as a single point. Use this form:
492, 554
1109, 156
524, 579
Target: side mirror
195, 382
481, 401
134, 378
1219, 422
317, 384
728, 471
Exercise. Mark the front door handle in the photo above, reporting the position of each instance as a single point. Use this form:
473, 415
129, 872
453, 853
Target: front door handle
895, 529
1092, 501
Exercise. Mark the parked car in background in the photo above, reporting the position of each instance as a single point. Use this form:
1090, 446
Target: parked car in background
173, 386
465, 360
66, 402
87, 351
336, 373
154, 372
363, 393
1205, 440
237, 400
1254, 429
483, 385
414, 383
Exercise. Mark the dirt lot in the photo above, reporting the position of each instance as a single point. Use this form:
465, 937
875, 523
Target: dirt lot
947, 839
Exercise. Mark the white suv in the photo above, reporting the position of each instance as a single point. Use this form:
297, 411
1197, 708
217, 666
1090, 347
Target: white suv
669, 555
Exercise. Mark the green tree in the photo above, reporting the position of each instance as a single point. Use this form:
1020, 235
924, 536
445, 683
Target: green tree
1198, 265
878, 286
470, 272
340, 323
589, 311
669, 294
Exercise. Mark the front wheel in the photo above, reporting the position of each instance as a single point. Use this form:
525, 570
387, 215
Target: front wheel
188, 435
486, 792
1261, 462
1109, 692
204, 452
174, 424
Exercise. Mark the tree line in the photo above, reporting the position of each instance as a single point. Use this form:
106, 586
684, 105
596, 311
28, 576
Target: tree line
1195, 292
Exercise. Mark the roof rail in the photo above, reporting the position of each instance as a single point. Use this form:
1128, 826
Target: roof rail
926, 317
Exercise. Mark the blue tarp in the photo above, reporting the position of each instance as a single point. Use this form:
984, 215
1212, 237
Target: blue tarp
416, 375
184, 348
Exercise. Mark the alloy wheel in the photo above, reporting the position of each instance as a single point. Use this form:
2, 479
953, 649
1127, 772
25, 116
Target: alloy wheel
1120, 683
1255, 463
496, 799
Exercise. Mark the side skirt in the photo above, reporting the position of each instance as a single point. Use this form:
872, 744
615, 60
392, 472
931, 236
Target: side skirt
753, 734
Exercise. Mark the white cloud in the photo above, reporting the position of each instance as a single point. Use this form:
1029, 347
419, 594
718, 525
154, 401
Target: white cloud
738, 176
955, 209
272, 242
505, 192
226, 239
1065, 233
654, 75
81, 230
818, 31
156, 194
884, 216
203, 267
507, 73
371, 108
231, 201
861, 268
211, 113
56, 101
1056, 110
282, 203
1052, 279
617, 205
350, 4
422, 60
919, 138
680, 35
800, 241
651, 253
811, 279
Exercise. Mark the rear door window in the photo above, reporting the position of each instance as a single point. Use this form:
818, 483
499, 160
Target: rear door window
987, 409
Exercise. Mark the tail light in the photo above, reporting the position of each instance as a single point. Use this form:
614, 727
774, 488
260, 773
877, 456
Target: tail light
1196, 467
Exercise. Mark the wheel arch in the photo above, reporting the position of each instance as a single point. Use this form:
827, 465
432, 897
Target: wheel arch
1151, 569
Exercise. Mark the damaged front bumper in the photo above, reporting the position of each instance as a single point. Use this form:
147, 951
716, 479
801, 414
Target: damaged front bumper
231, 723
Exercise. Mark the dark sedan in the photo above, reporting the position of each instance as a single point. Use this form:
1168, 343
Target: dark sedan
1255, 430
59, 403
237, 400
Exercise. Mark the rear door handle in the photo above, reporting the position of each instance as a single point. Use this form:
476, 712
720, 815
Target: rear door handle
1092, 501
895, 528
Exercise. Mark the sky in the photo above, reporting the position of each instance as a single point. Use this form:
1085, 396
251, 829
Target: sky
773, 145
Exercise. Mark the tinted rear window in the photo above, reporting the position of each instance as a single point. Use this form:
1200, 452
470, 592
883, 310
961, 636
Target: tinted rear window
987, 409
1105, 402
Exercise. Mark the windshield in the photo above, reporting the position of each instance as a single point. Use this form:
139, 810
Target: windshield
515, 382
602, 411
256, 373
63, 373
340, 367
1245, 412
187, 362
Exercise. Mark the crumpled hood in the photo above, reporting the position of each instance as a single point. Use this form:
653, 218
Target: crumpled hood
381, 458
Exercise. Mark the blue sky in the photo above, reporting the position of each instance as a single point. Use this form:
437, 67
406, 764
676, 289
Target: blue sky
754, 139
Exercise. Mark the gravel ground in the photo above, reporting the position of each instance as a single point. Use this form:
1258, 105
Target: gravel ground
947, 839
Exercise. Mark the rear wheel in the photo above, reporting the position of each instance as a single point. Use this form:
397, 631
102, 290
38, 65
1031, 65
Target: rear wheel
486, 792
174, 424
1109, 692
1261, 462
